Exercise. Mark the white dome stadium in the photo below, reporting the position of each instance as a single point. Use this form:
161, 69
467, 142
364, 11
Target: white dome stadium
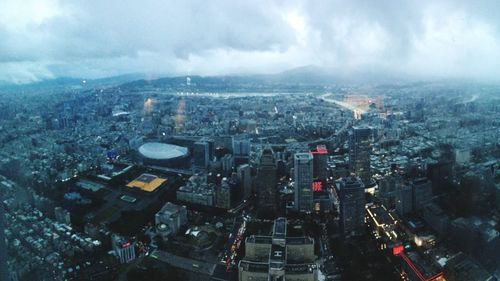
162, 151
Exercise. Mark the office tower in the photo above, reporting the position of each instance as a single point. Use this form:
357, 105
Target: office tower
352, 205
422, 193
404, 200
475, 190
437, 219
388, 186
359, 153
320, 159
245, 178
266, 180
124, 248
223, 194
241, 151
3, 247
201, 154
227, 164
241, 147
211, 149
303, 176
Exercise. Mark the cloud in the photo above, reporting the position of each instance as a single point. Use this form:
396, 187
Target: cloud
42, 39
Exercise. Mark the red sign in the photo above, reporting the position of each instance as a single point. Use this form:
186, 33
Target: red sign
317, 186
397, 250
320, 149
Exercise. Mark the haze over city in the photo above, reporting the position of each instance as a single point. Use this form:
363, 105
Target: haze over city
46, 39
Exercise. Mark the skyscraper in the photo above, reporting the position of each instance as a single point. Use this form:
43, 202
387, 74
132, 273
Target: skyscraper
241, 151
320, 155
266, 180
245, 178
404, 201
201, 154
303, 176
359, 153
227, 164
422, 193
223, 194
352, 205
241, 147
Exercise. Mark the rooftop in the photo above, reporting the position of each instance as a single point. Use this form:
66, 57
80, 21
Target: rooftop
147, 182
162, 151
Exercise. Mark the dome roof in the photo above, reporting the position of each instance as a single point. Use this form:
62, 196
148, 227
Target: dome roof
162, 151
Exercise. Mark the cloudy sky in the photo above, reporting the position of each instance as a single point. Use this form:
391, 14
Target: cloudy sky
43, 39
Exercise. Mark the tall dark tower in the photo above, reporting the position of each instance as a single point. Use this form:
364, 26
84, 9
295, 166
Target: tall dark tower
359, 153
266, 181
3, 247
320, 160
352, 205
303, 177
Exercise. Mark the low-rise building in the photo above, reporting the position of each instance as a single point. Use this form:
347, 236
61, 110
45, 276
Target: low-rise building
278, 257
170, 218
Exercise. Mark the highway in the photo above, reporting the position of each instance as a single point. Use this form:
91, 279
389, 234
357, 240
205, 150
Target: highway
341, 103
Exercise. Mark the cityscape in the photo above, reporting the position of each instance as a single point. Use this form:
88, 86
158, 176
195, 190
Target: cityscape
296, 175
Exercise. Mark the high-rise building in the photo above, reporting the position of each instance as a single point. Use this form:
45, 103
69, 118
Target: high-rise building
241, 151
124, 248
436, 218
223, 196
227, 164
201, 154
359, 153
320, 159
241, 147
245, 178
266, 180
475, 190
387, 188
404, 200
303, 176
352, 205
422, 193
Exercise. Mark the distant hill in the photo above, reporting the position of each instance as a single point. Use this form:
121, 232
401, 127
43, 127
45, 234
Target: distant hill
69, 83
307, 78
